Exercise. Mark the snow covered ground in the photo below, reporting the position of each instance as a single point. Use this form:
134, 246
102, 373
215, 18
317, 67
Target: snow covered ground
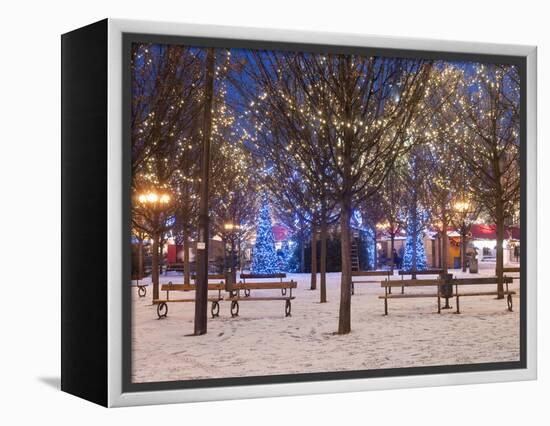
261, 341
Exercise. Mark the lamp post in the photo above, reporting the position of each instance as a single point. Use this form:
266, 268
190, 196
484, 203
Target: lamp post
463, 208
156, 203
230, 230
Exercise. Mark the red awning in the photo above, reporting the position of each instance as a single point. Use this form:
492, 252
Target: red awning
488, 232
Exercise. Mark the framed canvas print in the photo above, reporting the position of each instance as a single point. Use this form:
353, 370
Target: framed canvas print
252, 213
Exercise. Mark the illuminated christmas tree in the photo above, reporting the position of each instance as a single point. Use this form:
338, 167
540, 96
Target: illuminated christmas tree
414, 227
264, 259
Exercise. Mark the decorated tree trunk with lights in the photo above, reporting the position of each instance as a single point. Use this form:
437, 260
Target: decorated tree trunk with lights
313, 280
414, 258
264, 257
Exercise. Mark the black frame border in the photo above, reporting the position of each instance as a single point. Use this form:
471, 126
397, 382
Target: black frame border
204, 42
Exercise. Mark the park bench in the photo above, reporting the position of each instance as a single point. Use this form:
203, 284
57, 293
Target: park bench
433, 271
460, 282
279, 275
387, 285
357, 277
235, 294
162, 304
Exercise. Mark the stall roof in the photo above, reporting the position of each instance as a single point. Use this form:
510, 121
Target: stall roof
488, 232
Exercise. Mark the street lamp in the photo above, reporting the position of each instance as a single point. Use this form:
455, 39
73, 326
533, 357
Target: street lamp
155, 202
382, 226
153, 199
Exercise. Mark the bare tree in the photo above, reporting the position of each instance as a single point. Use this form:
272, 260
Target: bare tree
356, 112
487, 114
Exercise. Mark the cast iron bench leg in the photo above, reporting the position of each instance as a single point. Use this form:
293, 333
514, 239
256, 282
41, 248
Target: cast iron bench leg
234, 308
215, 309
287, 308
162, 310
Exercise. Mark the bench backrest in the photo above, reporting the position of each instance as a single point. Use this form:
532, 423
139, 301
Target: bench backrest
423, 272
481, 281
511, 269
265, 285
370, 273
263, 276
190, 287
411, 283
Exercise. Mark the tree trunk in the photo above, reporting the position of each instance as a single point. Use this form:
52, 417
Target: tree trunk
375, 252
444, 247
239, 255
439, 252
313, 285
344, 319
323, 259
463, 248
500, 250
415, 236
201, 294
344, 316
155, 266
140, 259
161, 258
392, 247
186, 261
302, 254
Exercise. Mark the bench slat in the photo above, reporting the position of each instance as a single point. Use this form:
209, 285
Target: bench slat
251, 298
407, 296
481, 281
484, 293
370, 274
410, 283
265, 286
157, 301
424, 272
189, 287
262, 276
